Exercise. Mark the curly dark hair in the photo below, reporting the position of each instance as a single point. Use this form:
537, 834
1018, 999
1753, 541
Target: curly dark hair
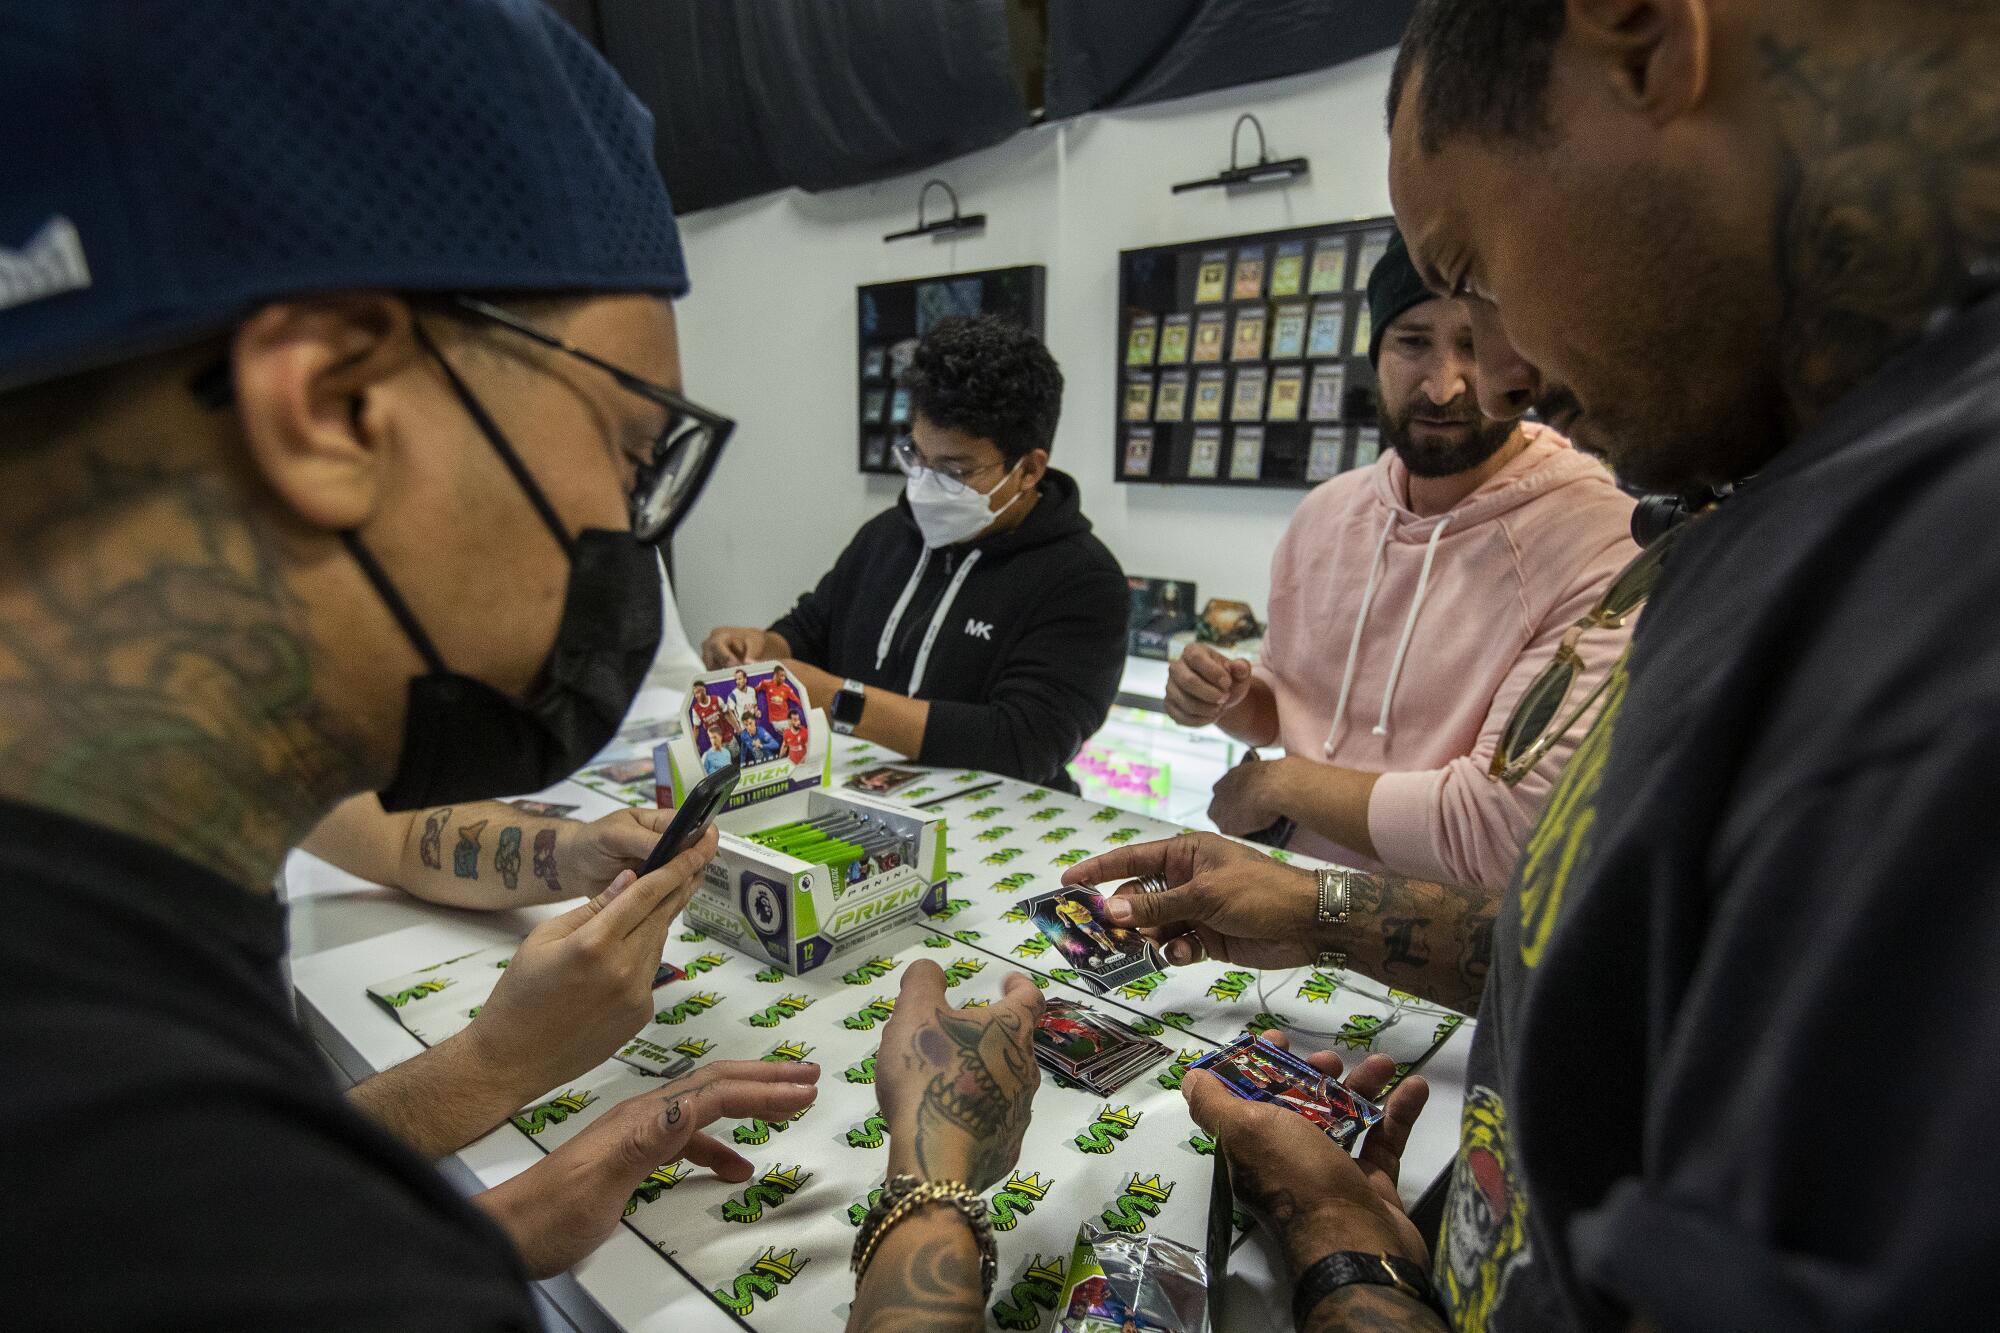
1486, 68
990, 378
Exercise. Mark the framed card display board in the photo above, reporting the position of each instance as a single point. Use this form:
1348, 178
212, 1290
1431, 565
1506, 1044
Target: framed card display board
1264, 336
892, 317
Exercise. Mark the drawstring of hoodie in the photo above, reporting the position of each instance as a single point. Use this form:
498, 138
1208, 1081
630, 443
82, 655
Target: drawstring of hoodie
1410, 626
902, 605
888, 638
1361, 624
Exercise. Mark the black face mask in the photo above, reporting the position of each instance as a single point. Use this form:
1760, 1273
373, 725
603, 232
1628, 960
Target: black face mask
463, 740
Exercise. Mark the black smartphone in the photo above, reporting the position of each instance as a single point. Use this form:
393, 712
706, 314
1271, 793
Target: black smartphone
693, 816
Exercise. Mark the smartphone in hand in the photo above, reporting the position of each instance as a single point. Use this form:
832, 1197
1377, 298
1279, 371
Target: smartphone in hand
695, 815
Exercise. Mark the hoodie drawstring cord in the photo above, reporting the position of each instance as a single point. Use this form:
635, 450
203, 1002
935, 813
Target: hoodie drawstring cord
1354, 644
1410, 625
937, 622
902, 605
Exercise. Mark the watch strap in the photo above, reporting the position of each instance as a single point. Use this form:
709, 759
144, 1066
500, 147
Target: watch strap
1349, 1267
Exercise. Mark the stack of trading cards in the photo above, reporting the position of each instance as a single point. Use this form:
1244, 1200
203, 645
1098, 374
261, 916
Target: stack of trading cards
1085, 1047
1103, 955
1257, 1071
848, 843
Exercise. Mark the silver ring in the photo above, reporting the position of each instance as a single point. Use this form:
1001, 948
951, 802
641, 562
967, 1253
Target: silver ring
1153, 884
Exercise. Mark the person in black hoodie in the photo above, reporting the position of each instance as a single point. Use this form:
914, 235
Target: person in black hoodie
978, 624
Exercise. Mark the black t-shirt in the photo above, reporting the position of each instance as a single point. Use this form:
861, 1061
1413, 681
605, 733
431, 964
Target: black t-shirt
1739, 1057
175, 1154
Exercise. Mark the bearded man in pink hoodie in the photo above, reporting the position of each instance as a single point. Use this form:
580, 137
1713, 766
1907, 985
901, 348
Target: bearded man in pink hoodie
1411, 604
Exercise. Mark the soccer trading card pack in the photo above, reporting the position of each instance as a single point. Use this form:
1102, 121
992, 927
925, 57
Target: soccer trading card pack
1249, 285
1174, 337
1324, 337
1205, 459
1329, 268
1246, 454
1139, 453
1288, 385
1288, 270
1133, 1284
1104, 955
1172, 403
1212, 281
1324, 461
1208, 336
1373, 246
1327, 402
1139, 344
1248, 405
1249, 344
1086, 1047
1257, 1071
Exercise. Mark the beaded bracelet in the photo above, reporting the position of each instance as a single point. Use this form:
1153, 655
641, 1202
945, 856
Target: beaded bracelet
903, 1195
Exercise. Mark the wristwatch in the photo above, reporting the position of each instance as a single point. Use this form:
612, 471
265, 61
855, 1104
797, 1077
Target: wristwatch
1333, 903
1351, 1266
847, 706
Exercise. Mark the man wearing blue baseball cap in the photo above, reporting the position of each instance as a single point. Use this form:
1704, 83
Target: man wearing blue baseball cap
336, 422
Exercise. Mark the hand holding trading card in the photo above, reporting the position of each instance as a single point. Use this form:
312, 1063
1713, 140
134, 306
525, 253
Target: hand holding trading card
1315, 1197
561, 1208
1223, 900
1103, 954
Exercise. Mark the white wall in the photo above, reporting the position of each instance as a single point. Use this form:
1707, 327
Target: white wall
768, 334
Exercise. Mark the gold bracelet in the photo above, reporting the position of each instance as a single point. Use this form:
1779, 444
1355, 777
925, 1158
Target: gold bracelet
904, 1195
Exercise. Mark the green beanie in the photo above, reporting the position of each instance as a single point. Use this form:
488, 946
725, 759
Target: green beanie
1393, 288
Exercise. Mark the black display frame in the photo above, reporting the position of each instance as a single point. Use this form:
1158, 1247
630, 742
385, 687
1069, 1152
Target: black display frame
1020, 292
1155, 282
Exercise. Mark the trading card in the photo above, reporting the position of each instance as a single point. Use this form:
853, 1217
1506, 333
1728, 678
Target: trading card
1139, 398
625, 771
1328, 399
1327, 320
1329, 270
1364, 329
871, 405
1172, 402
1104, 954
1246, 454
1373, 246
1208, 387
883, 780
1138, 453
1205, 459
1087, 1047
1249, 343
1324, 461
1367, 447
546, 809
1208, 336
1249, 284
899, 408
1141, 341
1257, 1071
1288, 387
1174, 337
875, 450
667, 972
1288, 332
1248, 404
1288, 269
872, 362
1212, 280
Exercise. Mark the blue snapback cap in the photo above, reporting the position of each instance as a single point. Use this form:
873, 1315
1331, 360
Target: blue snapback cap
166, 166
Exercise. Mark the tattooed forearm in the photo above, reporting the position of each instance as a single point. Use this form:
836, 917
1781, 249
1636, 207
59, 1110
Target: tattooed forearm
545, 860
1891, 190
431, 848
1432, 940
465, 856
923, 1279
507, 856
1371, 1309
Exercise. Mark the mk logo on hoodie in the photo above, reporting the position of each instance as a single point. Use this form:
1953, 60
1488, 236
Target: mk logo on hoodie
979, 629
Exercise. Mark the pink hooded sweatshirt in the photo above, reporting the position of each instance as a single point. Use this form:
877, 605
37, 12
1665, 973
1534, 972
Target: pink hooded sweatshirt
1398, 645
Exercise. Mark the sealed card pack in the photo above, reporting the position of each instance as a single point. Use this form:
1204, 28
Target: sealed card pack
1105, 955
1258, 1071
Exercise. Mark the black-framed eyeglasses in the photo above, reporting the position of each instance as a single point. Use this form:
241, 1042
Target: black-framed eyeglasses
683, 454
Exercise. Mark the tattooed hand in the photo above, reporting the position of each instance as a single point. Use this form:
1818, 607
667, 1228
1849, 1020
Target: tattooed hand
956, 1084
562, 1207
582, 983
1316, 1199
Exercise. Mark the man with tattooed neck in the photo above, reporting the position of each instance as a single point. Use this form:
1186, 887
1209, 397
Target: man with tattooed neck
288, 512
1760, 243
